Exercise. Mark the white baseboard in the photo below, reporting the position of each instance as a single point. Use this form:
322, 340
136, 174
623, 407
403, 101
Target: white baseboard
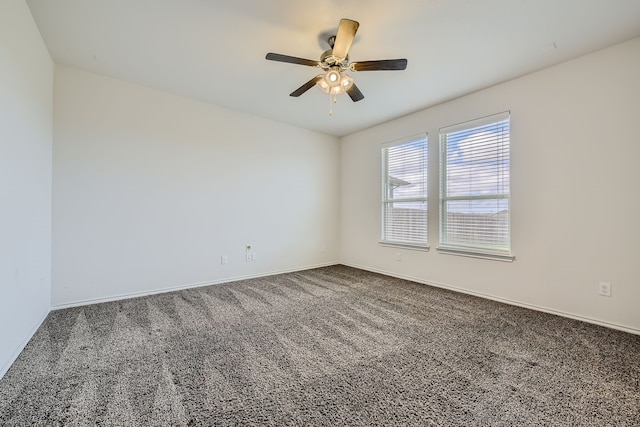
119, 297
500, 299
23, 344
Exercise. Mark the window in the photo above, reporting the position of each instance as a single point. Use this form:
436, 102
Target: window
404, 192
474, 188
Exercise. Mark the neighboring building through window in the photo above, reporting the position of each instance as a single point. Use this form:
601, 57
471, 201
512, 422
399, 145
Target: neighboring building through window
475, 189
404, 192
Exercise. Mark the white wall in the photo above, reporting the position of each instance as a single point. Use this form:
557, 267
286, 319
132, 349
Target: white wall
151, 189
575, 191
26, 110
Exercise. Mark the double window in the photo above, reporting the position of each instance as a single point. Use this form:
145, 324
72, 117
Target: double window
474, 187
404, 192
474, 190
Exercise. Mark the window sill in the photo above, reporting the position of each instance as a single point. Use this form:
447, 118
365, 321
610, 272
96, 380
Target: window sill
472, 254
404, 246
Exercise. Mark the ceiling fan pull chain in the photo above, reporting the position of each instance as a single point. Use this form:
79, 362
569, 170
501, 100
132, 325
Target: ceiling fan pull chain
330, 110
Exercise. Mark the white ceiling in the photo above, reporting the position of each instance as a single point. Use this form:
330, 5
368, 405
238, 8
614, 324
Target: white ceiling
213, 50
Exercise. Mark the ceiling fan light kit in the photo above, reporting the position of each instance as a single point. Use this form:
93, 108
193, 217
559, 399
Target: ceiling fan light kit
334, 82
335, 62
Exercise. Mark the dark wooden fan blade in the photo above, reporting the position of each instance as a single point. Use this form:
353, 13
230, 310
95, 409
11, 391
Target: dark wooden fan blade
346, 33
355, 93
305, 87
290, 59
385, 64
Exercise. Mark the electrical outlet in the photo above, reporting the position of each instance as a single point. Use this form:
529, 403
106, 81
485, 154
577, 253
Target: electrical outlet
604, 289
398, 256
249, 256
224, 259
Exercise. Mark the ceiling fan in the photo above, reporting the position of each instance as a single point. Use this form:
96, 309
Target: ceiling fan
335, 61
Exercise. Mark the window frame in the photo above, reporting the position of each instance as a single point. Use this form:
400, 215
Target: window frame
472, 250
422, 137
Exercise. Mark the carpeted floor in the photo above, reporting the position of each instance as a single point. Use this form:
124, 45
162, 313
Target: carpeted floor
331, 346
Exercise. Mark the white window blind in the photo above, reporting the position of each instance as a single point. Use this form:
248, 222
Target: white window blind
404, 192
474, 187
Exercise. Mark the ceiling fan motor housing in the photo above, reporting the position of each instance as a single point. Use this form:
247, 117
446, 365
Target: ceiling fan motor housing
327, 60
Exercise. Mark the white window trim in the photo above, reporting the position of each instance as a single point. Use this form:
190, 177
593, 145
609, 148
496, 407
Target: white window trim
404, 245
471, 254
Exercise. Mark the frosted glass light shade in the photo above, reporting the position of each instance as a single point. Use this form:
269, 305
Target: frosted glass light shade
335, 82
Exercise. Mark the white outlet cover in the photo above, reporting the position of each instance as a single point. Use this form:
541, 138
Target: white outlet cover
604, 289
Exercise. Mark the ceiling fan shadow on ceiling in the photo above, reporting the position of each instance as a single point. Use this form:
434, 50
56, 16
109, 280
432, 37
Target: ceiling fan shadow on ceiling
335, 62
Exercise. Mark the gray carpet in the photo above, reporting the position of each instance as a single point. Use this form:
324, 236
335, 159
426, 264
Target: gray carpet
329, 347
